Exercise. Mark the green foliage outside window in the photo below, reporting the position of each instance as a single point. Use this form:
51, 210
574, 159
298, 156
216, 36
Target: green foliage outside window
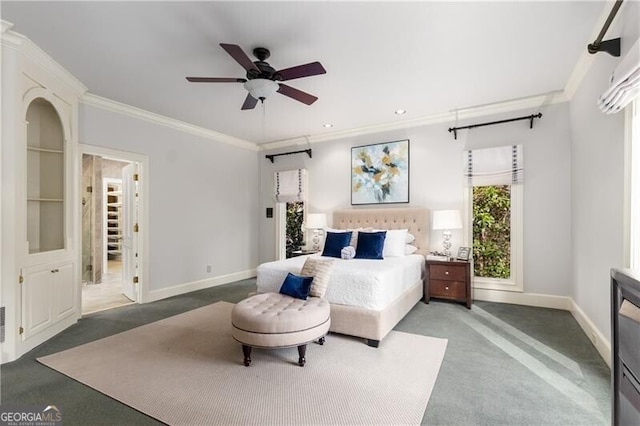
492, 231
294, 234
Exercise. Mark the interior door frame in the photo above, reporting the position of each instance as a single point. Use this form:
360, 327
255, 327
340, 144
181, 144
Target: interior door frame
143, 210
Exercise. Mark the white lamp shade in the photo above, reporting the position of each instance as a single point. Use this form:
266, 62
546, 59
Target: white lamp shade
447, 219
316, 220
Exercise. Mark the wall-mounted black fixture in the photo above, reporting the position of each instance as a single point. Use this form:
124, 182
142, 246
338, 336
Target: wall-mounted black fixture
269, 212
472, 126
612, 47
272, 156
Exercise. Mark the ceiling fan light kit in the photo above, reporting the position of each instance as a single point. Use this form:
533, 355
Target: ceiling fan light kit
261, 88
262, 79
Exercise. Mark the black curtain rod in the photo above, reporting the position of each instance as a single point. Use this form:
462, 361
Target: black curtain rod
612, 47
472, 126
272, 156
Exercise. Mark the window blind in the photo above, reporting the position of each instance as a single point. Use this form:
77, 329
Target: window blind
493, 166
624, 86
290, 186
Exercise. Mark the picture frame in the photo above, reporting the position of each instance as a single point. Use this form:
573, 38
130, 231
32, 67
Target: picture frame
464, 253
380, 173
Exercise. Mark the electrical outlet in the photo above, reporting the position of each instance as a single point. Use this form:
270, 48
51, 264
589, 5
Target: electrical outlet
208, 268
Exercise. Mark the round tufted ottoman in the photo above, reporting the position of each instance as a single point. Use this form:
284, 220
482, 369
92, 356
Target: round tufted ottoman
274, 320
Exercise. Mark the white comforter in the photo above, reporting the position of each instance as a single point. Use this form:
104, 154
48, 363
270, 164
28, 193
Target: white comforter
365, 283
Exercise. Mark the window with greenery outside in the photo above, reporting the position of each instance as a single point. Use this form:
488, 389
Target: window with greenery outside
294, 232
492, 231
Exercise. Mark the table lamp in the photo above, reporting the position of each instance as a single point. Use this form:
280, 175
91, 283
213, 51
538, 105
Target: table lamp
447, 220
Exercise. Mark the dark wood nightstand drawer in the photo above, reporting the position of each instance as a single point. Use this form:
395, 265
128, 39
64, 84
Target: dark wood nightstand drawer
451, 272
448, 289
448, 280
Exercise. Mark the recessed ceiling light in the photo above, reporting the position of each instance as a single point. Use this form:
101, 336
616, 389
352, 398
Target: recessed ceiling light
327, 125
401, 111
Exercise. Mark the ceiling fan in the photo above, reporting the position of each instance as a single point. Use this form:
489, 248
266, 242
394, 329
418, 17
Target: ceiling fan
263, 80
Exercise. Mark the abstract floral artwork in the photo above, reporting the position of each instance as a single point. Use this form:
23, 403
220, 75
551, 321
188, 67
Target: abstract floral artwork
380, 173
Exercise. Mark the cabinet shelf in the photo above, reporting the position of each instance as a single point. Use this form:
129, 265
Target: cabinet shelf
55, 200
113, 191
51, 151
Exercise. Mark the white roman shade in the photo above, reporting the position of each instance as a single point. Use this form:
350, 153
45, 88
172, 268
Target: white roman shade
290, 186
625, 83
493, 166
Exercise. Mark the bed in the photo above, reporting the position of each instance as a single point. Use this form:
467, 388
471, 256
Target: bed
368, 297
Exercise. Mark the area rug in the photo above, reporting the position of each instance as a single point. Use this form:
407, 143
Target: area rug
188, 370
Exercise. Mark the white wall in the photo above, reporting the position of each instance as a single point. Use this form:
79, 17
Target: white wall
202, 201
598, 182
436, 182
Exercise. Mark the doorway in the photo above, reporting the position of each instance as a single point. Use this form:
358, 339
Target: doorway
110, 210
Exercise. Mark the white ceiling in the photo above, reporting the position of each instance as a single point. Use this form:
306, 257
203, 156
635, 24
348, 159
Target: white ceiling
425, 57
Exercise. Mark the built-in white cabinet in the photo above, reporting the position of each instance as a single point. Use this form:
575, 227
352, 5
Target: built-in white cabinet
48, 296
39, 270
45, 178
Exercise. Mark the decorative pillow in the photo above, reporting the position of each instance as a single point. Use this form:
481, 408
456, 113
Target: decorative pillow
320, 270
334, 242
410, 249
394, 243
410, 238
370, 245
296, 286
354, 233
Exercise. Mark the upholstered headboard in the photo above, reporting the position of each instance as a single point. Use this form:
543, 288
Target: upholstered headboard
416, 220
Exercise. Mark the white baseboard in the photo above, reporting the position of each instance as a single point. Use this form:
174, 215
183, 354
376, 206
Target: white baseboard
176, 290
602, 345
527, 299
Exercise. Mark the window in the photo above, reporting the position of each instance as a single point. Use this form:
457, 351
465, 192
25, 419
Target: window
494, 211
495, 216
492, 231
294, 234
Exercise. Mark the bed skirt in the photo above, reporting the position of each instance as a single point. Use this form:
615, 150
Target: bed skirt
374, 325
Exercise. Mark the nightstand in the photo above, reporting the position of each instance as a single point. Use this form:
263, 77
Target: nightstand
448, 280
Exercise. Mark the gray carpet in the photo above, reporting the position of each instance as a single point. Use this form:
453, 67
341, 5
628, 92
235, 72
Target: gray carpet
479, 383
187, 369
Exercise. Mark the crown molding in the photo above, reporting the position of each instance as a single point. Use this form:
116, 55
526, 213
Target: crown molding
30, 51
5, 26
139, 113
453, 117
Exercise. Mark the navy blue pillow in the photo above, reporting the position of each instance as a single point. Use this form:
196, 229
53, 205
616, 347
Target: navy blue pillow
334, 242
370, 245
296, 286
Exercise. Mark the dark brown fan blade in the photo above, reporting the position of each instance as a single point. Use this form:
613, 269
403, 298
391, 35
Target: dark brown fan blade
249, 103
296, 94
216, 80
238, 54
306, 70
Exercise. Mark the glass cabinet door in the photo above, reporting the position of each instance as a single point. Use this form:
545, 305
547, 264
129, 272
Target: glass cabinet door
45, 178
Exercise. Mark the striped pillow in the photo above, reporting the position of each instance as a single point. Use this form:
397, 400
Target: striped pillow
320, 270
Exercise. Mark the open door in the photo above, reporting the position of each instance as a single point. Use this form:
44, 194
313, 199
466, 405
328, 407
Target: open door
130, 231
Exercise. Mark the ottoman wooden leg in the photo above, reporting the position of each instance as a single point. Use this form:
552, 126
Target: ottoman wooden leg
302, 351
246, 351
321, 341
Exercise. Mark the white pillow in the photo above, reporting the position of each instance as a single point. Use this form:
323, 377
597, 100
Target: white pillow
409, 249
394, 243
410, 238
